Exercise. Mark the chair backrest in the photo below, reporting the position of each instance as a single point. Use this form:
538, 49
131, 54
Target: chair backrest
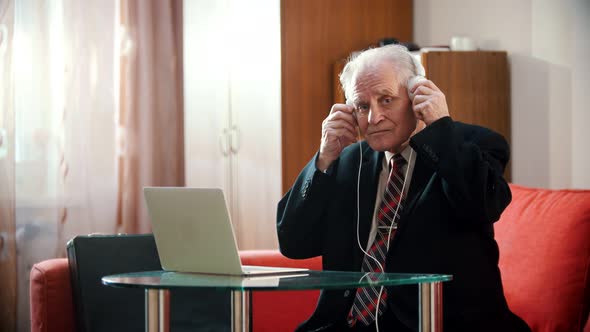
280, 311
544, 240
102, 308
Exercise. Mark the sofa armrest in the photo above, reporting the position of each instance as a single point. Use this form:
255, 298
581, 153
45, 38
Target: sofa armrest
51, 305
276, 259
275, 311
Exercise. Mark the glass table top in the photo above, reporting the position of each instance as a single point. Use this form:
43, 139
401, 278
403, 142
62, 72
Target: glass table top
290, 281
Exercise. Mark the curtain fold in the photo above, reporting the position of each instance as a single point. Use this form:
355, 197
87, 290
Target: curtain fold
151, 140
64, 110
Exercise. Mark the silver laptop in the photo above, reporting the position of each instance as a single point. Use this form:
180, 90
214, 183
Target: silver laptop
194, 233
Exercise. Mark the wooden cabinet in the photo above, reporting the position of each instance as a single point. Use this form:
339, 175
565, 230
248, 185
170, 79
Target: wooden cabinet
476, 85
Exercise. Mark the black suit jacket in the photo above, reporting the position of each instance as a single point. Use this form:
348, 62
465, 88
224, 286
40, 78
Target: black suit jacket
457, 192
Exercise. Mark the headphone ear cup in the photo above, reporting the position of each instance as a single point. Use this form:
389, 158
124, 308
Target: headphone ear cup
413, 81
418, 64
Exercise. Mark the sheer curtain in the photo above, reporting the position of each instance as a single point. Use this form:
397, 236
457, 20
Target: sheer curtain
151, 136
97, 87
64, 109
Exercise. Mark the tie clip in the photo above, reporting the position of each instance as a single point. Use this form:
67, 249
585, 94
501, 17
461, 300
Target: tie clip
393, 225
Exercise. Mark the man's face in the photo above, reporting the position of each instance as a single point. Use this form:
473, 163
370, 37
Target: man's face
383, 108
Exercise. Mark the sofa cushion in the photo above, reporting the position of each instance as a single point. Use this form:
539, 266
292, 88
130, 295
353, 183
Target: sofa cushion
276, 311
51, 297
544, 240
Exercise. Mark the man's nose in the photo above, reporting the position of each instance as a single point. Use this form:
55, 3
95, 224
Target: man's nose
375, 115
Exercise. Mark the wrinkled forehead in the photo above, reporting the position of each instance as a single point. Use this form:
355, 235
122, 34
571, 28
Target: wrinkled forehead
378, 76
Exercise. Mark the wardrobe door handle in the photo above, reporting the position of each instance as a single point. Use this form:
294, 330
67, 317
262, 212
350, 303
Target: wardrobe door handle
223, 142
3, 39
3, 143
3, 244
235, 140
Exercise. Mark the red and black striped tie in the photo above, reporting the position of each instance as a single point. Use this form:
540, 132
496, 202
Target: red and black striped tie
363, 307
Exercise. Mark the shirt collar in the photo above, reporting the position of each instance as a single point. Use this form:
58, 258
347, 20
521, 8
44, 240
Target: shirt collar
405, 153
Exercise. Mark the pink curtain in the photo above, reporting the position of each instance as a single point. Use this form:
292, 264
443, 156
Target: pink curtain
151, 139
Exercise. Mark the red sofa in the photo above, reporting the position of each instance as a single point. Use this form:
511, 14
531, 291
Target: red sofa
544, 238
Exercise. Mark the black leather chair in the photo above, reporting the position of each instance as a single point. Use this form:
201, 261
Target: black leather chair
102, 308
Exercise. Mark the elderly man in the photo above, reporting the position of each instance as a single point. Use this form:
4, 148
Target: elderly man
419, 194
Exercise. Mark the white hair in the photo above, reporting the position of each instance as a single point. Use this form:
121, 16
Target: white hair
397, 55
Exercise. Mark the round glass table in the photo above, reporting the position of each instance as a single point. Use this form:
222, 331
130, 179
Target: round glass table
158, 283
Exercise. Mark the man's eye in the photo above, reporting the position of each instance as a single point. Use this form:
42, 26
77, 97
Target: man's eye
387, 100
363, 108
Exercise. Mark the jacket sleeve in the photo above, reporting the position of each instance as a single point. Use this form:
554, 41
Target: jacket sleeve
470, 162
301, 213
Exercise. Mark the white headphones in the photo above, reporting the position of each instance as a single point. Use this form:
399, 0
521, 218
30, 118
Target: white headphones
420, 73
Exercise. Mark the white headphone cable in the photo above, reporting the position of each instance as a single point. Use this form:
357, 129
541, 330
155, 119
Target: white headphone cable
390, 227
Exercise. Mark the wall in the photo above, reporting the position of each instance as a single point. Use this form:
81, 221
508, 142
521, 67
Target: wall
548, 54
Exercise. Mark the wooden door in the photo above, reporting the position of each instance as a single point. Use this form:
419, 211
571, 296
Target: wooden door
314, 35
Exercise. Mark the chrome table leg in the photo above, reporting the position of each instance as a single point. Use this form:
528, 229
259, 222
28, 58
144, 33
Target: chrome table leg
157, 310
240, 311
431, 307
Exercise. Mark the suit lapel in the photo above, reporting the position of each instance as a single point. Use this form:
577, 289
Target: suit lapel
420, 176
371, 166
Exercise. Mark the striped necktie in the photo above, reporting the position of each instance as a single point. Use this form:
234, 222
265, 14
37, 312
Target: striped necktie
363, 307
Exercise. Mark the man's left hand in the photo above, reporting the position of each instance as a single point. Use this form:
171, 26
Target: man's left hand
429, 102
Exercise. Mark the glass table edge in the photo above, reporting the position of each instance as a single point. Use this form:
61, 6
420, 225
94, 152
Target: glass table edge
411, 279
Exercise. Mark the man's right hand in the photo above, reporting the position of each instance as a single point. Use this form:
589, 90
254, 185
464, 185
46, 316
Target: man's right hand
338, 132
